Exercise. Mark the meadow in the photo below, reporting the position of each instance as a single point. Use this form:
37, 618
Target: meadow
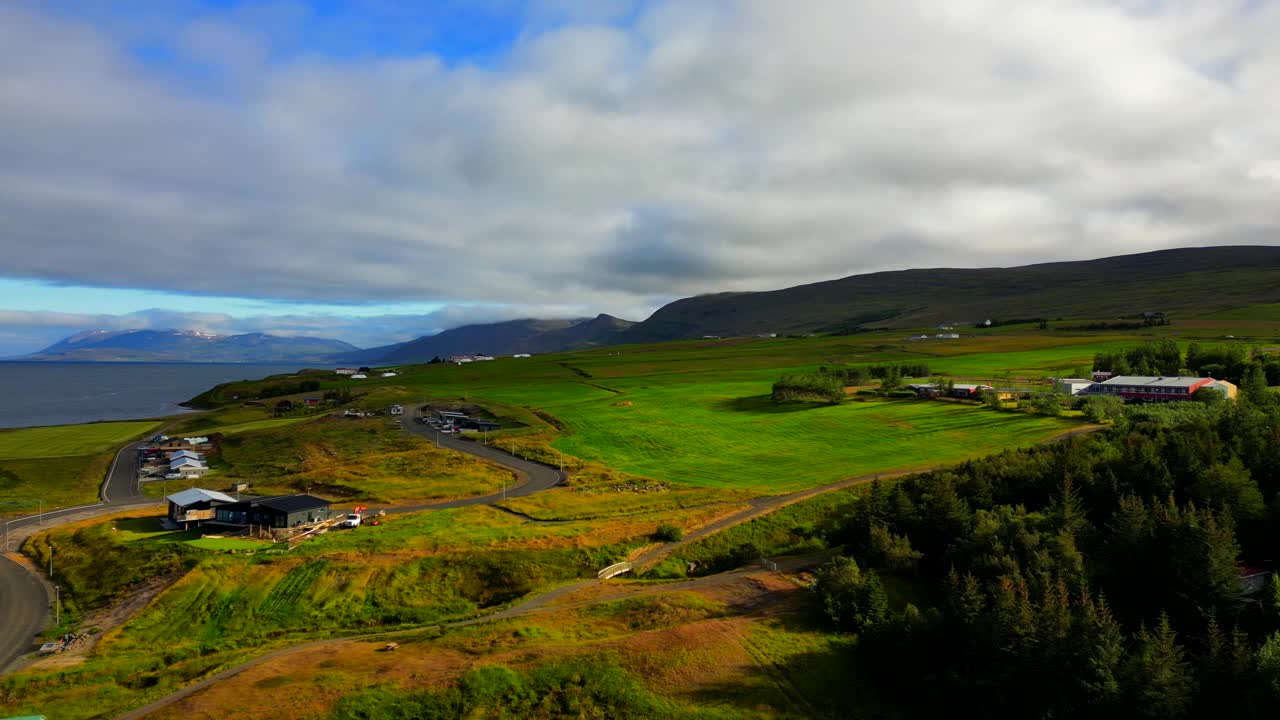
353, 460
681, 434
68, 440
62, 466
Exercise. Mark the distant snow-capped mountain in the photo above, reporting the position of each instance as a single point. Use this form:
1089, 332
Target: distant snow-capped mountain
189, 346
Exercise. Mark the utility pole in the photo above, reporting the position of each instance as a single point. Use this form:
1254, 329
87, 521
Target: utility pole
57, 606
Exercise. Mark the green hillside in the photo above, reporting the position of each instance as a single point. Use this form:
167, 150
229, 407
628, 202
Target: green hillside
1186, 281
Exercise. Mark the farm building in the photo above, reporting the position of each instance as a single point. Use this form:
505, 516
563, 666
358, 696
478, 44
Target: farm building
1253, 579
278, 511
180, 454
1141, 388
1072, 386
345, 371
521, 355
958, 390
195, 505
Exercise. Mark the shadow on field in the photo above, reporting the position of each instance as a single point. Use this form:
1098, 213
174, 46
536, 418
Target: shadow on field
764, 404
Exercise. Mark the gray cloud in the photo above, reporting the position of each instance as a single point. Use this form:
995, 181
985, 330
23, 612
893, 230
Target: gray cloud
703, 147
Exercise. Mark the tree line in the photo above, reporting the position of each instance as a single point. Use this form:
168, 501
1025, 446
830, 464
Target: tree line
1099, 576
828, 383
1163, 357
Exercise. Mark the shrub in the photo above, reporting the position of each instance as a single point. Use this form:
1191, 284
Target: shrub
1100, 408
667, 532
820, 387
854, 599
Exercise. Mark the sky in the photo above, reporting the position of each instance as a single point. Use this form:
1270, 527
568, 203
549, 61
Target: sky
374, 170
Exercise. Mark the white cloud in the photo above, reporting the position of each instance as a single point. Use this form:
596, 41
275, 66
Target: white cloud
705, 146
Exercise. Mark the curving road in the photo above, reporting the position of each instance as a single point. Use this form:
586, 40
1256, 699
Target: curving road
24, 605
534, 477
24, 601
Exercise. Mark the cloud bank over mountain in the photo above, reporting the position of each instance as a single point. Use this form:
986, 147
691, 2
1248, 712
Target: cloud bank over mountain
617, 158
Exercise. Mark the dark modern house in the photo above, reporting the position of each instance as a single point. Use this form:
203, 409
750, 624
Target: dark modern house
279, 511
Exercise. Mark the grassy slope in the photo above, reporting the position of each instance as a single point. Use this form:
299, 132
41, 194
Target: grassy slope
1185, 280
67, 440
55, 482
59, 466
354, 460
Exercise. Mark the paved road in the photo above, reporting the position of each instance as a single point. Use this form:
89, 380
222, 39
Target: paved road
534, 477
24, 602
24, 605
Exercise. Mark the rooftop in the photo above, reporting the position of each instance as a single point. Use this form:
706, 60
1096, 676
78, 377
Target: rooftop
1183, 382
294, 503
195, 495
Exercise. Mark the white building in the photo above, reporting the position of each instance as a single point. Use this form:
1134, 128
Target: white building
388, 374
948, 336
359, 376
522, 355
1072, 386
345, 371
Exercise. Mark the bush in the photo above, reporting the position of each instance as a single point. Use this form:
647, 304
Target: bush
667, 532
1100, 408
854, 599
819, 387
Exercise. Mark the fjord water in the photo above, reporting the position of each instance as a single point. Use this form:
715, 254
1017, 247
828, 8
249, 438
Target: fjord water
34, 393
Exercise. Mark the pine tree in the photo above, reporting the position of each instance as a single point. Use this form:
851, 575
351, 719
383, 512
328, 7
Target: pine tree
1268, 666
1159, 679
1253, 387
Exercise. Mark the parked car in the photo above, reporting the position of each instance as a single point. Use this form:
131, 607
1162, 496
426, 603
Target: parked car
173, 476
352, 521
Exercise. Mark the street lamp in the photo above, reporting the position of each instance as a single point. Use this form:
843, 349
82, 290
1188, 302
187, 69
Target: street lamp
51, 561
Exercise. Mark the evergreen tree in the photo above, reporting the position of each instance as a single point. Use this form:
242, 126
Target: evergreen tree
1159, 679
1253, 388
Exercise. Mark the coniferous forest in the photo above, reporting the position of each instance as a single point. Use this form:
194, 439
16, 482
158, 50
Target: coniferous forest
1102, 576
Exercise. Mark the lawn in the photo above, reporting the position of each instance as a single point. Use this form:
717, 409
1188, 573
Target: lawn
68, 440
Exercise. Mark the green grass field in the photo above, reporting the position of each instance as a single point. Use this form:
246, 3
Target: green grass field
63, 466
67, 440
727, 435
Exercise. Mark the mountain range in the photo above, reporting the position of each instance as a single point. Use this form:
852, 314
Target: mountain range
1181, 280
1199, 279
189, 346
504, 338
